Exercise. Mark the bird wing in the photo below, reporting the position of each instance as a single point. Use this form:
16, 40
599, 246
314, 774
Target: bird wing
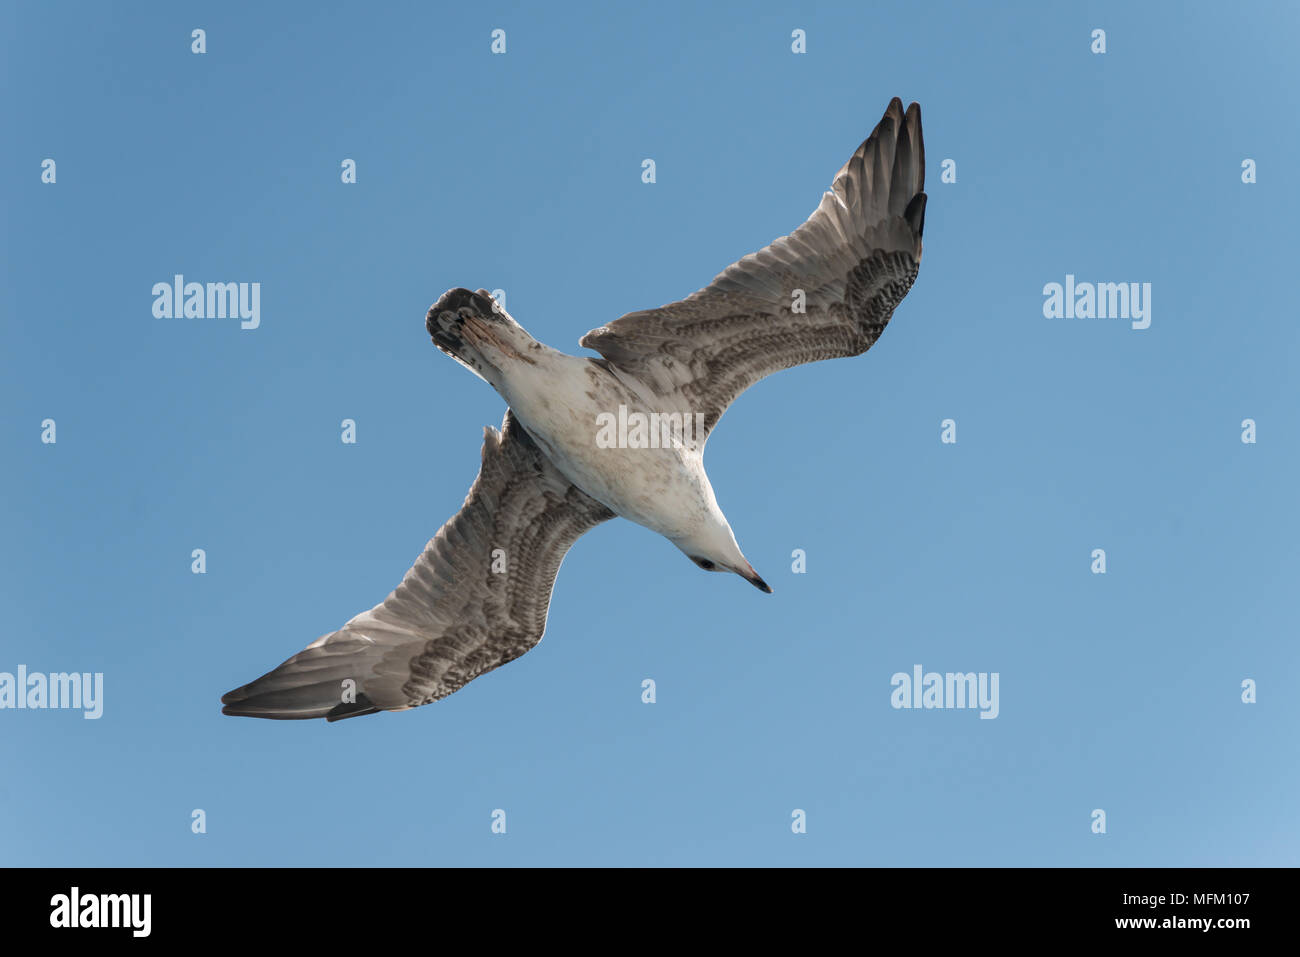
463, 608
853, 260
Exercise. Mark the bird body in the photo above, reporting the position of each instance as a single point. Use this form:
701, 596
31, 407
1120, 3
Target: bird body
477, 597
560, 400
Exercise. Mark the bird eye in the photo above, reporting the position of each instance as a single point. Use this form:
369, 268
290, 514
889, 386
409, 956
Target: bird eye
704, 563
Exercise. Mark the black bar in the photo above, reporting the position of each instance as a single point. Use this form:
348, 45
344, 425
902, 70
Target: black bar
303, 905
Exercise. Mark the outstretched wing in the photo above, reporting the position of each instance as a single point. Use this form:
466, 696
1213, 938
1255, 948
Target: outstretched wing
852, 261
461, 610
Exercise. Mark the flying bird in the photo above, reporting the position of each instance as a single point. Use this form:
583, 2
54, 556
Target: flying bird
477, 596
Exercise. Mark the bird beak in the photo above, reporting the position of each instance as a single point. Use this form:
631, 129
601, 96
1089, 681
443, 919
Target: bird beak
753, 578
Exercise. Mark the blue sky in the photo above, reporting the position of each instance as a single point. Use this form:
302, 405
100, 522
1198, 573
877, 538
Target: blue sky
522, 171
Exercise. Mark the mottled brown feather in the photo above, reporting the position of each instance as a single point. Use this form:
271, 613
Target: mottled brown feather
452, 618
854, 260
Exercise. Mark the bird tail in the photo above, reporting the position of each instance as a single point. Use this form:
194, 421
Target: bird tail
470, 327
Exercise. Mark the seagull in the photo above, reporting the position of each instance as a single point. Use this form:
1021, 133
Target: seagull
477, 597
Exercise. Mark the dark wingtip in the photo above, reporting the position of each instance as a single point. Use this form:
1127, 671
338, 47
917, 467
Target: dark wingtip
240, 704
915, 214
362, 705
237, 709
913, 120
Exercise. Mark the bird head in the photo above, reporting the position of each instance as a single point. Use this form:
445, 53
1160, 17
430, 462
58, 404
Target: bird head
714, 549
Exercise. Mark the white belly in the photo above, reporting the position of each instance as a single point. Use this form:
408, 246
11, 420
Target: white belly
567, 404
